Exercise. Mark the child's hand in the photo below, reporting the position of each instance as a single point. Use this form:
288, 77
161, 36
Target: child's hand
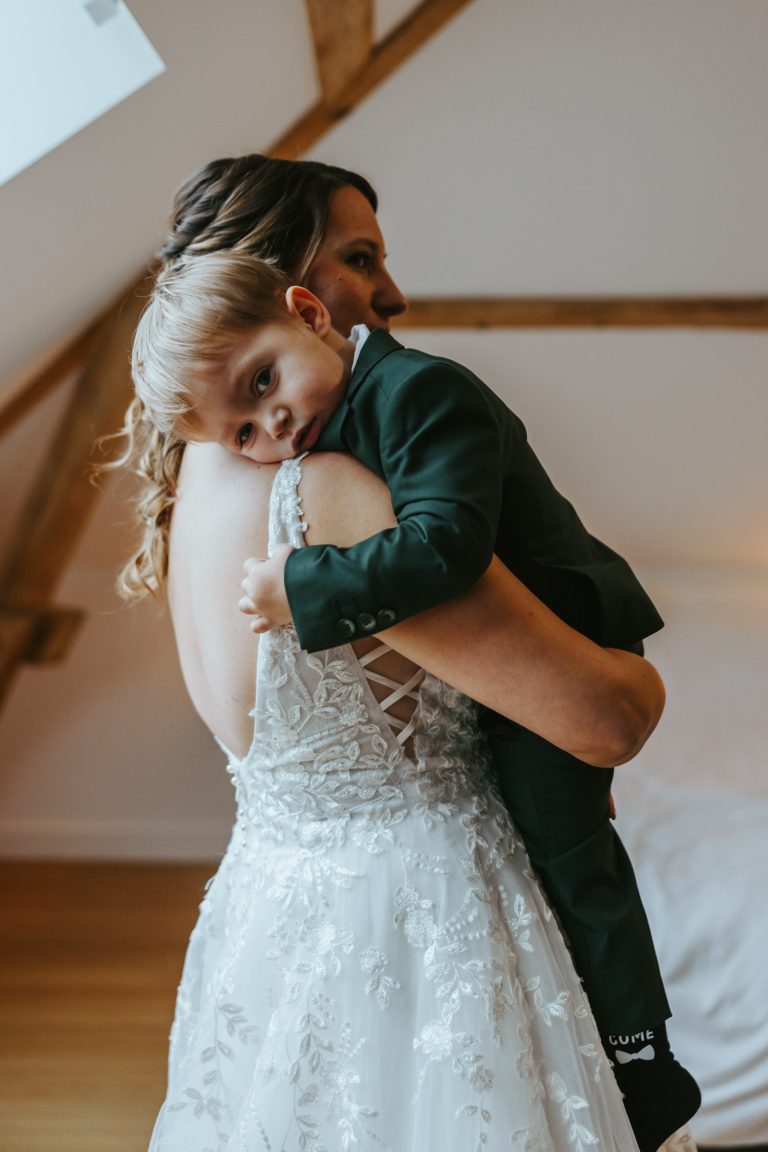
264, 588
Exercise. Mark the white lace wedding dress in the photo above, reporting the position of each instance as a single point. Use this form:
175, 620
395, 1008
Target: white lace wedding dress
374, 967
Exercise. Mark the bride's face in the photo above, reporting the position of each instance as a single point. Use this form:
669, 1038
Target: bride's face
349, 272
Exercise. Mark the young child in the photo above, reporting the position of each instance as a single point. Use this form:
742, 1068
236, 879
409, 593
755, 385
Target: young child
262, 372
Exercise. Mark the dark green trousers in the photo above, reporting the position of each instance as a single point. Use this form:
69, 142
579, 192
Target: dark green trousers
560, 808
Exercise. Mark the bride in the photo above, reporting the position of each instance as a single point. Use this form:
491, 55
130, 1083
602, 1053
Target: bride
374, 965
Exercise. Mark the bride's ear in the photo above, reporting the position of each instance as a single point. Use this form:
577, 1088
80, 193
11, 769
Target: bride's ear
309, 309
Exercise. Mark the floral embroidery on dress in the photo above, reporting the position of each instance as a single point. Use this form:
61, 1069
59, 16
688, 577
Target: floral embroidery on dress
374, 968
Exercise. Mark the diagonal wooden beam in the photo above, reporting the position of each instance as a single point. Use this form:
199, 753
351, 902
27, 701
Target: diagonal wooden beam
343, 39
63, 495
63, 492
387, 56
586, 312
61, 368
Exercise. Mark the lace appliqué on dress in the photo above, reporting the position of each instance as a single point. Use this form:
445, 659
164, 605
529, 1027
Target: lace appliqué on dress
372, 946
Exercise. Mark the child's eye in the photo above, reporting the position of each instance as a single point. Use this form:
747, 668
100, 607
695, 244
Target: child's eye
243, 435
261, 381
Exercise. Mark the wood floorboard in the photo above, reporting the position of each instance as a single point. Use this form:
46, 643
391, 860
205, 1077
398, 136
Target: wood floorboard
90, 956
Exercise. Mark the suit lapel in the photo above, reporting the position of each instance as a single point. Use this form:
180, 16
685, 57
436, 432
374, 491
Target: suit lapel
378, 345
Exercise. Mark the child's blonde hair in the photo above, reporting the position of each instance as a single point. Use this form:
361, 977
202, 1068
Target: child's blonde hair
195, 308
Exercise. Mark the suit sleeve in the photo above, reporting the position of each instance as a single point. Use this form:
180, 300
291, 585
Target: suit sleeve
440, 441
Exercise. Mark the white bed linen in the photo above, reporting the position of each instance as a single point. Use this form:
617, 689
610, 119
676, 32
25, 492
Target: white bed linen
693, 813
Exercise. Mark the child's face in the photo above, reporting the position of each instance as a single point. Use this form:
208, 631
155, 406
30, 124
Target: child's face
274, 392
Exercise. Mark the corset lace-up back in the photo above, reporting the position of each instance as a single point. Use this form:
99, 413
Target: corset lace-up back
397, 691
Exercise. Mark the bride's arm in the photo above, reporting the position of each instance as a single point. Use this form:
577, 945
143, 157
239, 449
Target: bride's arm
499, 643
503, 647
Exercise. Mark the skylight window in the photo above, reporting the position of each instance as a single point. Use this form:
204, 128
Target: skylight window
64, 63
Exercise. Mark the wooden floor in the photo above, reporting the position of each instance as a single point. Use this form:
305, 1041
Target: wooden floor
90, 956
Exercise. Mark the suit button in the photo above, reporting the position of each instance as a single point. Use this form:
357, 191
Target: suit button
366, 622
386, 617
345, 627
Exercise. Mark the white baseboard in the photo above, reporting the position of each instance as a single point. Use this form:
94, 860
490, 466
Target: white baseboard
114, 840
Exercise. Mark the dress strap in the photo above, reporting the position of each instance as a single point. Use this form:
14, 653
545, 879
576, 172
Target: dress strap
286, 515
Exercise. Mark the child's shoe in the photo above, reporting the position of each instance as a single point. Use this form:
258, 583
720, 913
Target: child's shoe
657, 1111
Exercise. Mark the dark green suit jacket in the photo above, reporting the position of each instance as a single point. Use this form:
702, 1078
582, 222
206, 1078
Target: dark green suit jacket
465, 483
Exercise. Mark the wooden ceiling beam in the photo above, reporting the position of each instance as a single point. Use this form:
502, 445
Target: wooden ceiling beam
63, 492
62, 498
586, 312
342, 33
48, 633
61, 368
476, 312
384, 59
16, 632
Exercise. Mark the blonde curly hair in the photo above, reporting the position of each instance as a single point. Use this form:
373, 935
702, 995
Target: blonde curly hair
154, 457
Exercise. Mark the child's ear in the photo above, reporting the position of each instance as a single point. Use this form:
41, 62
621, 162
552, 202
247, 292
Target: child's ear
309, 308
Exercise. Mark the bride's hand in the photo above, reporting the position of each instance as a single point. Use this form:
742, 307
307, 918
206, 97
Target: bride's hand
264, 587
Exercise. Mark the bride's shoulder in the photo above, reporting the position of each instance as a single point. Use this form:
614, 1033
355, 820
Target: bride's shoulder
207, 468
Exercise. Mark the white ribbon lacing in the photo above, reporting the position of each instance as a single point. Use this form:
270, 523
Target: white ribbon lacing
403, 728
